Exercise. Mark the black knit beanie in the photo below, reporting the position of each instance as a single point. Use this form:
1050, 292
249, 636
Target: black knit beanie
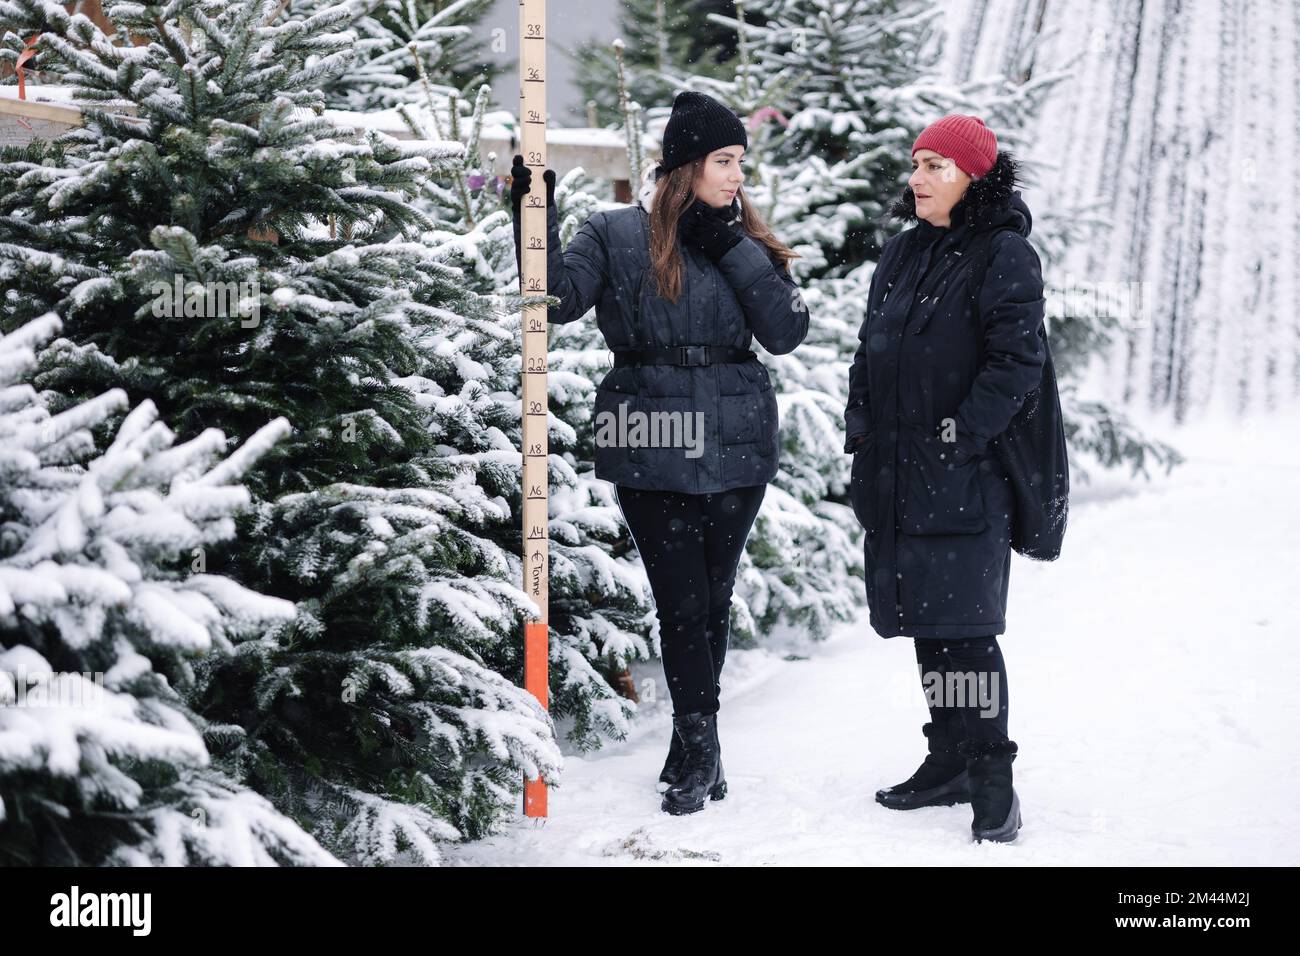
699, 124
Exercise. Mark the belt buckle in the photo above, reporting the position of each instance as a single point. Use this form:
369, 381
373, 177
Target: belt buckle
687, 351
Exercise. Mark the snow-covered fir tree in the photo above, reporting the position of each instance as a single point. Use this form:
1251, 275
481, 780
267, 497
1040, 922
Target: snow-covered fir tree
405, 50
386, 716
106, 608
659, 44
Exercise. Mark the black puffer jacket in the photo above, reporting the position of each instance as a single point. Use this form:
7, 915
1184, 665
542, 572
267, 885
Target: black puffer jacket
937, 513
742, 297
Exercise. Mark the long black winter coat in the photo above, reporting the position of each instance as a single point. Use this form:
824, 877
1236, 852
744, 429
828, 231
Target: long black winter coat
745, 295
937, 513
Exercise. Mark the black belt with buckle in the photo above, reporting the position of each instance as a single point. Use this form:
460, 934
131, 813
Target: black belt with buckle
682, 355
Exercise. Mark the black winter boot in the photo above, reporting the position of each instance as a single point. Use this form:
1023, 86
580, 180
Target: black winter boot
701, 774
994, 801
940, 781
673, 764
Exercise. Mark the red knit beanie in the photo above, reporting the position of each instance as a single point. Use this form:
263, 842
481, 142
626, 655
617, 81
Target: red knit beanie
963, 139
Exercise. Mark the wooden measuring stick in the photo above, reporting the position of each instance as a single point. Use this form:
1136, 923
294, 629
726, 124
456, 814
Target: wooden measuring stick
532, 123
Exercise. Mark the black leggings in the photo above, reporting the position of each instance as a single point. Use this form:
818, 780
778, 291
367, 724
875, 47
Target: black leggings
690, 545
974, 697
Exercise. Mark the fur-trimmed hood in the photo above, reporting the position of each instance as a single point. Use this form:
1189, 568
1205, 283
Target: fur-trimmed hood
989, 201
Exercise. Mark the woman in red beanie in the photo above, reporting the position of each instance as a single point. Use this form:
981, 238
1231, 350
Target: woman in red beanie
951, 343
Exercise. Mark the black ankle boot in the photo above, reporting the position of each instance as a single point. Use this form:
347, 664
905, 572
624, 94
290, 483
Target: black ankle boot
701, 774
940, 781
994, 800
673, 765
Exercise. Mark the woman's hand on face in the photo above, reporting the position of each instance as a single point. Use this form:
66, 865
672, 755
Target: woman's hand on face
691, 217
725, 213
705, 228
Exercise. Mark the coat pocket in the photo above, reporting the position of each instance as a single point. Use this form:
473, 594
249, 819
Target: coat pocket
864, 483
613, 425
742, 419
939, 496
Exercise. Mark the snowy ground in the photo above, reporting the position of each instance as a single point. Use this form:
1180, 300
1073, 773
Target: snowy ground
1152, 674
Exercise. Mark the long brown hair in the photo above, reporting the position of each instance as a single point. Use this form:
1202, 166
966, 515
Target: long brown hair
674, 194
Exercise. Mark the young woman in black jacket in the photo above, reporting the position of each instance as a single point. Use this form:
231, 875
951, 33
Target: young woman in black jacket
682, 282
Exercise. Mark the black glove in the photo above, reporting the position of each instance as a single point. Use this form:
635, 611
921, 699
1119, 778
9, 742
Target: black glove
521, 183
855, 443
704, 227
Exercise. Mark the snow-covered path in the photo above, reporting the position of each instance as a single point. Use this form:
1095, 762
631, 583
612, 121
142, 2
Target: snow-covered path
1152, 674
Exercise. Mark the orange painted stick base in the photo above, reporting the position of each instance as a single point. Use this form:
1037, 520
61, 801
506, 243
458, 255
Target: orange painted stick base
536, 683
